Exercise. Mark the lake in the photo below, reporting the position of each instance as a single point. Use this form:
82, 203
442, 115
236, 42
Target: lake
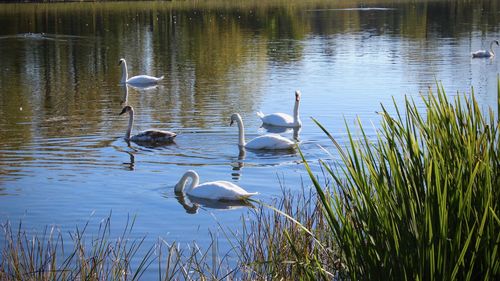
63, 159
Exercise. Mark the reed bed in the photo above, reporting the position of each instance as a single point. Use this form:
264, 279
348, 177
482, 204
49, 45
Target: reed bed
288, 240
421, 202
263, 250
52, 256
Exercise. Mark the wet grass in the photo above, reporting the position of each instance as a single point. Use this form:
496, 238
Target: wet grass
420, 202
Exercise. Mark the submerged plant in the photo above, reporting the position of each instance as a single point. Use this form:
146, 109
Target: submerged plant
421, 202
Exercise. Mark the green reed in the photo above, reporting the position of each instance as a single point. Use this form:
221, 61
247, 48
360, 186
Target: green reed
421, 202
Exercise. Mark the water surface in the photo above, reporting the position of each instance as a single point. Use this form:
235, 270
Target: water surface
63, 159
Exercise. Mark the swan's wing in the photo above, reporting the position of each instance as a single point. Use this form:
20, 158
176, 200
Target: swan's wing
481, 53
144, 79
154, 135
278, 119
270, 141
220, 190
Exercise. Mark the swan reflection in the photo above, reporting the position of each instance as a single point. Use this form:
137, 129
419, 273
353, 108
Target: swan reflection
130, 165
124, 100
192, 204
144, 87
238, 165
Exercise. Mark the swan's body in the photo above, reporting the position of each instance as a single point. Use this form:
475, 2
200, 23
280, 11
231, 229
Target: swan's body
151, 135
136, 80
216, 190
485, 53
268, 141
282, 119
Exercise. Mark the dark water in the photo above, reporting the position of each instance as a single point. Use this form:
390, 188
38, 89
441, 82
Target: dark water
63, 160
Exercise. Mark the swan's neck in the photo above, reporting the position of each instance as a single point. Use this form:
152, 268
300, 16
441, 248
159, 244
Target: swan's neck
130, 124
241, 131
124, 72
296, 118
195, 179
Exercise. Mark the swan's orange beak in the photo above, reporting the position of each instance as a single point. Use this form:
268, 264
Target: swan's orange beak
231, 124
120, 62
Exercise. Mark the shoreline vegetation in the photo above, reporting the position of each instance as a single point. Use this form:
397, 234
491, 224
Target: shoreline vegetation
420, 202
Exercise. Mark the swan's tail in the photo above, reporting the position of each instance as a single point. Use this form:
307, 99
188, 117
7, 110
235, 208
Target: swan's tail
161, 78
260, 114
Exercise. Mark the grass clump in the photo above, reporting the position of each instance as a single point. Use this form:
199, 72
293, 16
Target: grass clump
290, 242
421, 202
100, 256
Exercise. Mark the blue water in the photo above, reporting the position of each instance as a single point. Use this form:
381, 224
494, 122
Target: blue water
63, 160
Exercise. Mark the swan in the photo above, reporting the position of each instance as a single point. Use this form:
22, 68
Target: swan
282, 119
216, 190
485, 53
136, 80
150, 135
268, 141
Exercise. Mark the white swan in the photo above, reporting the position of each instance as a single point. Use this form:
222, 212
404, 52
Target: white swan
283, 119
485, 53
268, 141
151, 135
136, 80
216, 190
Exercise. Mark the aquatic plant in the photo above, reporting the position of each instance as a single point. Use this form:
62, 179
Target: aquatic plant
421, 202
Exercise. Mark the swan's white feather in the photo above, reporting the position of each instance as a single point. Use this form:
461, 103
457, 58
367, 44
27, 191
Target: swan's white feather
277, 119
144, 79
220, 190
482, 54
486, 53
270, 141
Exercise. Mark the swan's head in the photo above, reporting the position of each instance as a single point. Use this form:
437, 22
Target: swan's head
297, 95
126, 109
122, 60
234, 117
496, 42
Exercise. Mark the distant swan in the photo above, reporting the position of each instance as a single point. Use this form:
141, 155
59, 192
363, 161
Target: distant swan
151, 135
484, 53
268, 141
282, 119
216, 190
136, 80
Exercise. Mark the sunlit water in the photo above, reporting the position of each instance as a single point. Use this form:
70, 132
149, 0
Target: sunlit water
63, 160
